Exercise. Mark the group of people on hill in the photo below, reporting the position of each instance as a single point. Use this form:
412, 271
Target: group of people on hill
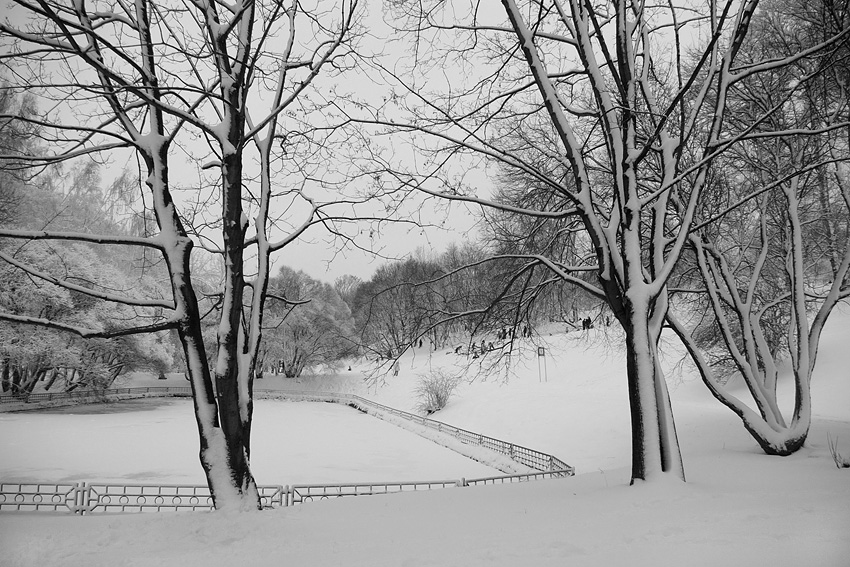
508, 332
586, 323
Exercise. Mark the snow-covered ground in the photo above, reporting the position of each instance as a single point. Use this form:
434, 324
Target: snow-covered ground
156, 441
739, 507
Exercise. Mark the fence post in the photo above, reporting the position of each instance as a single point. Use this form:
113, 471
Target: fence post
80, 499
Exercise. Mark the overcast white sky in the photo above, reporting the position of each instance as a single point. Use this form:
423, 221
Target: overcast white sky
322, 259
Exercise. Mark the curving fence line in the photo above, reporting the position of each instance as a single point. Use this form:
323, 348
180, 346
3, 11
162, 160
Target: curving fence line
87, 498
531, 458
90, 498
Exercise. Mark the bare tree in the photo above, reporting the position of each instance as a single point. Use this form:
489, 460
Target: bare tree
161, 80
617, 110
773, 259
307, 325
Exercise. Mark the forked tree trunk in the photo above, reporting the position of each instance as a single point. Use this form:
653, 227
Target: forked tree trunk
754, 360
655, 444
223, 431
767, 426
223, 452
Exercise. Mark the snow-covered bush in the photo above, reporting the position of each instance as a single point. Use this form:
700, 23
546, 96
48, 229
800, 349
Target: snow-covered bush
434, 391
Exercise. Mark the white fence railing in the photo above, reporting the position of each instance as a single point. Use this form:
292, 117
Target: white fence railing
531, 458
89, 498
86, 498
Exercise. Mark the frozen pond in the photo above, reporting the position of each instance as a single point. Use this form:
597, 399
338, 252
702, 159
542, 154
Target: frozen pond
156, 441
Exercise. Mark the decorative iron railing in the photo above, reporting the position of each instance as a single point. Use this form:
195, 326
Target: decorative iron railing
89, 498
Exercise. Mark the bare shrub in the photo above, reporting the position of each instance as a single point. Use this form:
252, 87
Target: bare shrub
840, 460
434, 390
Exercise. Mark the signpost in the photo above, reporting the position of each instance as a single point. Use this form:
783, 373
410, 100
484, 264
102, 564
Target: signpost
541, 365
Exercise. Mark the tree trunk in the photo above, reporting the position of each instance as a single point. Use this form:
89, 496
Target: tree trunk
772, 435
221, 428
229, 477
5, 380
655, 445
53, 375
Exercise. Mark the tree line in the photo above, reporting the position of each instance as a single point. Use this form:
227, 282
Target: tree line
70, 199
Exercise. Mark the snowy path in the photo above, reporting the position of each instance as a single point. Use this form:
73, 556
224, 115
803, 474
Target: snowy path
155, 441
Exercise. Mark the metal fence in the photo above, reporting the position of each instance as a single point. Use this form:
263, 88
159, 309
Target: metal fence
89, 498
82, 395
298, 494
531, 458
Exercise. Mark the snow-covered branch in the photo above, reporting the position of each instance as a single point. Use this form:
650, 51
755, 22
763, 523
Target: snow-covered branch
153, 242
123, 299
89, 333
